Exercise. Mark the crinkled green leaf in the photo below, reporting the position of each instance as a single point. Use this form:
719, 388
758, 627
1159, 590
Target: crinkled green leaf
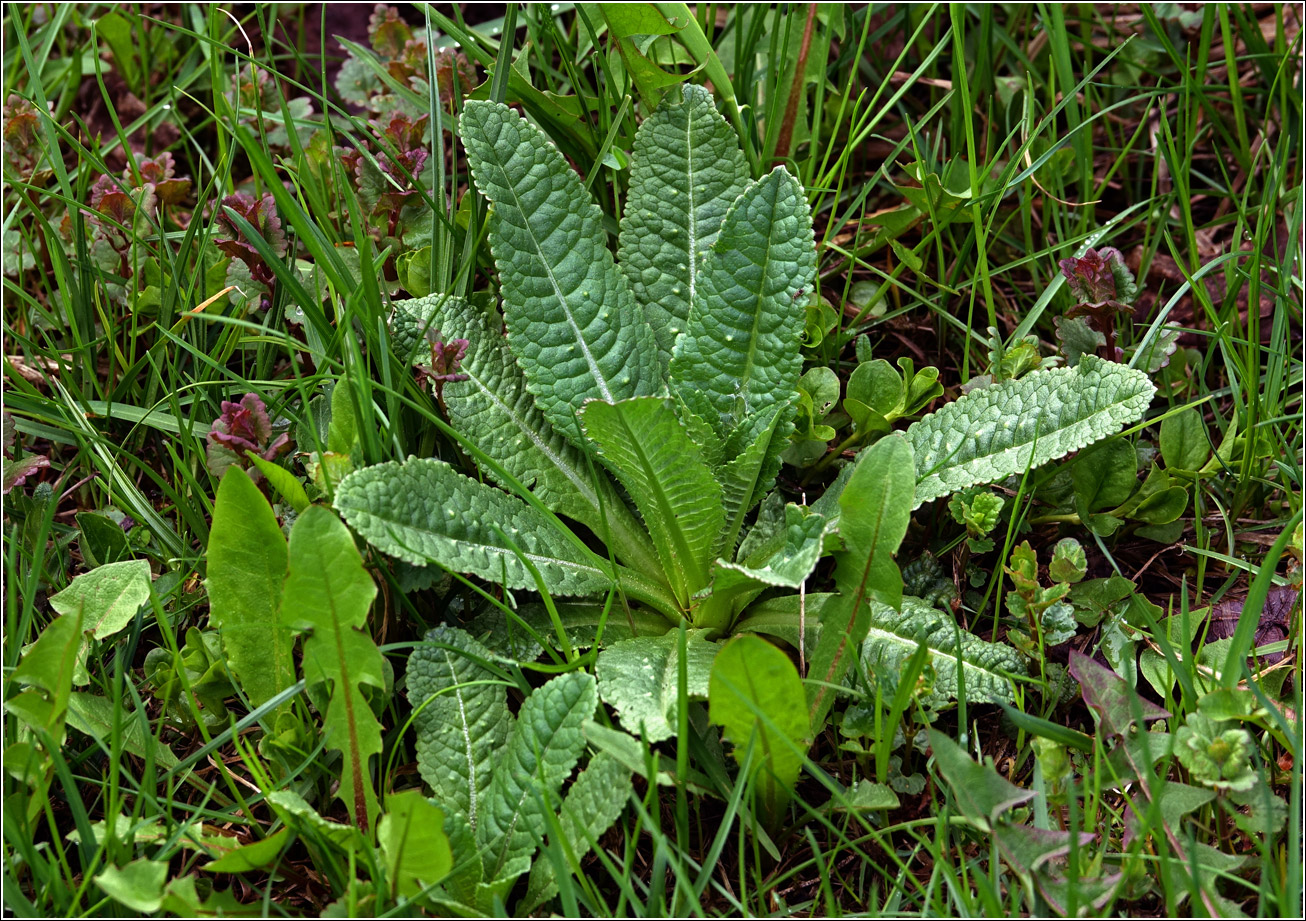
424, 511
895, 636
644, 444
875, 509
508, 637
572, 320
461, 718
543, 748
741, 344
493, 410
999, 431
784, 561
687, 170
593, 803
640, 678
327, 596
754, 451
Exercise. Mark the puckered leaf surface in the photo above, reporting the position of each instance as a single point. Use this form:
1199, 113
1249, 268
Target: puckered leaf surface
593, 803
741, 343
686, 171
424, 511
643, 443
461, 718
572, 320
1002, 430
640, 677
894, 637
543, 748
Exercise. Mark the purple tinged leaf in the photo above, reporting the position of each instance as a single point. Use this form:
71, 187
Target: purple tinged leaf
445, 359
1090, 277
17, 472
111, 200
1117, 704
22, 135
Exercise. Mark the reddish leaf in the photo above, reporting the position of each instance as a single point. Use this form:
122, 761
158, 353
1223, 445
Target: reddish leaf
388, 32
1117, 704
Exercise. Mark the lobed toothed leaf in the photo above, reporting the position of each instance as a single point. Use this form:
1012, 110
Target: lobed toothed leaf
327, 595
1002, 430
874, 515
424, 511
741, 343
686, 171
572, 320
460, 717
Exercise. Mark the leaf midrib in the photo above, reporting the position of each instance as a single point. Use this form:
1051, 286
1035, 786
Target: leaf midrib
691, 568
746, 379
595, 371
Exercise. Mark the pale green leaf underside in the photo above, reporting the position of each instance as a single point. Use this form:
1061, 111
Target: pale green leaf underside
741, 343
640, 678
895, 637
644, 444
1004, 429
593, 803
572, 320
424, 511
493, 410
543, 748
686, 171
461, 725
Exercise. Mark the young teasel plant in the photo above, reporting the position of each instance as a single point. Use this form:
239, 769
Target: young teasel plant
672, 375
670, 379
